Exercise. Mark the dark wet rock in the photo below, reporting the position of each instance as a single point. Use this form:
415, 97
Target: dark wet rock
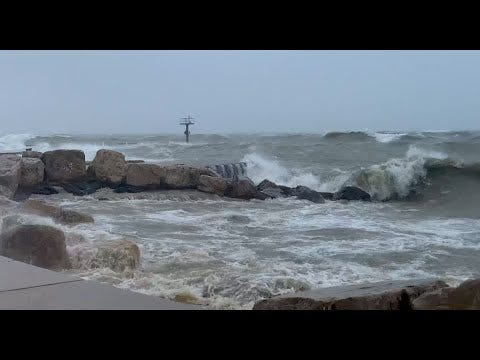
305, 193
65, 165
387, 295
433, 300
244, 188
108, 167
38, 245
352, 193
213, 185
32, 172
273, 193
43, 189
123, 188
82, 188
10, 172
135, 161
287, 191
327, 195
266, 184
32, 154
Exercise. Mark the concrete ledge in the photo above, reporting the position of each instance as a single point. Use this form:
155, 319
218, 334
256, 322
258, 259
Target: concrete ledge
27, 287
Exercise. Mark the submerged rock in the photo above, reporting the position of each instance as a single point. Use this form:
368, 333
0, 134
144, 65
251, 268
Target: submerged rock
32, 172
108, 166
82, 188
38, 245
71, 217
58, 214
65, 165
10, 172
352, 193
387, 295
44, 190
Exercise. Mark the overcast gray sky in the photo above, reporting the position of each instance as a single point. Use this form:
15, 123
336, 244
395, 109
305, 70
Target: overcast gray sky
238, 91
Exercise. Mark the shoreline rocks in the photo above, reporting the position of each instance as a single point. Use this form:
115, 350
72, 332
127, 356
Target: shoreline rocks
32, 172
108, 167
10, 172
39, 245
64, 165
58, 214
387, 295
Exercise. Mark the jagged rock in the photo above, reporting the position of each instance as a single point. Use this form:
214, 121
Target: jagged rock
352, 193
32, 154
64, 165
464, 297
244, 188
327, 195
287, 191
305, 193
38, 245
108, 166
273, 193
387, 295
213, 185
10, 171
32, 172
266, 184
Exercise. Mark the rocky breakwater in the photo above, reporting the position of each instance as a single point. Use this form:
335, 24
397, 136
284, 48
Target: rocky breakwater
388, 295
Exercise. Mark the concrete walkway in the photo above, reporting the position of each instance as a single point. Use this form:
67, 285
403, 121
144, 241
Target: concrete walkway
27, 287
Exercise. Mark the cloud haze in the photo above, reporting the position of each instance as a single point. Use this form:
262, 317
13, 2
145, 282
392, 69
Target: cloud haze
238, 91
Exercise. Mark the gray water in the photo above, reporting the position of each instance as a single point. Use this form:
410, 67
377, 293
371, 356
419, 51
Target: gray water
227, 253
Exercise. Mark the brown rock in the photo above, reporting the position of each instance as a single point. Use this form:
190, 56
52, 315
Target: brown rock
213, 185
71, 217
144, 175
62, 216
387, 295
32, 154
38, 245
109, 167
64, 165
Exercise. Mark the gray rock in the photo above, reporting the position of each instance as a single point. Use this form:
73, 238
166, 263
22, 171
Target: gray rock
273, 193
352, 193
10, 170
59, 215
38, 245
466, 296
32, 154
108, 167
387, 295
32, 172
266, 184
244, 188
213, 185
305, 193
71, 217
64, 165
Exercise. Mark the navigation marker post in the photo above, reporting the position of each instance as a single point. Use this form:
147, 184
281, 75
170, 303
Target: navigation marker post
187, 122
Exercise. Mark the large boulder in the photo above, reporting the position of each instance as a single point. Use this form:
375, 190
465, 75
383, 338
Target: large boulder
213, 185
38, 245
464, 297
305, 193
109, 167
32, 172
144, 175
266, 184
167, 177
387, 295
270, 189
64, 165
352, 193
10, 170
184, 177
